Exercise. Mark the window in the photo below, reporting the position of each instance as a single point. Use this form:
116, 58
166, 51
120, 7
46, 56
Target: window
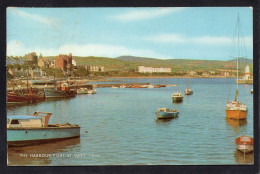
14, 122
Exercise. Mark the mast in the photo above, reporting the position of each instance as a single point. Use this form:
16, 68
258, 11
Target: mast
237, 55
237, 46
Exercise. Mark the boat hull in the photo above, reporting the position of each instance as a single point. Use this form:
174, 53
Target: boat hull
13, 98
236, 114
177, 99
165, 115
53, 93
30, 136
245, 148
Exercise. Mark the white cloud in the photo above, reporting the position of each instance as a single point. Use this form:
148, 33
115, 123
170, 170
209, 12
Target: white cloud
182, 39
34, 17
16, 48
148, 13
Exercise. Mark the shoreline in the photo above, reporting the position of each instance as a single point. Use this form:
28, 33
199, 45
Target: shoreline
151, 77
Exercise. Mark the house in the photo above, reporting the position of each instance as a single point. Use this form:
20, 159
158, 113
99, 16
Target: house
64, 62
43, 63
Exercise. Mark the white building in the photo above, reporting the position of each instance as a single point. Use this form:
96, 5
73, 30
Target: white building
247, 73
143, 69
74, 63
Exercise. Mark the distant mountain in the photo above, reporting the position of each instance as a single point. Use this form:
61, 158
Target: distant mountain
242, 60
134, 58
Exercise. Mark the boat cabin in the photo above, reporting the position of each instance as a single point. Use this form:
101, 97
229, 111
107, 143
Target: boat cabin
26, 121
177, 95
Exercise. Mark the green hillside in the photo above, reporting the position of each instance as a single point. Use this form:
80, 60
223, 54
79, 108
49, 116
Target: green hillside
127, 63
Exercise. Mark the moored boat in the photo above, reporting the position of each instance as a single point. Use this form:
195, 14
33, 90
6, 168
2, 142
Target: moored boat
188, 91
245, 144
252, 91
15, 98
28, 130
82, 91
177, 97
58, 93
166, 113
236, 109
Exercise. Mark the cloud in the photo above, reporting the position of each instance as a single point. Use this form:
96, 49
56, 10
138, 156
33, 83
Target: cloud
141, 14
182, 39
34, 17
16, 48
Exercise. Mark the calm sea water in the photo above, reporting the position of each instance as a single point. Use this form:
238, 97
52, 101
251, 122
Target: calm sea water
119, 127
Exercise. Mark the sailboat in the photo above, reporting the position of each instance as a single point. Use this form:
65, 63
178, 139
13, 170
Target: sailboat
236, 109
188, 91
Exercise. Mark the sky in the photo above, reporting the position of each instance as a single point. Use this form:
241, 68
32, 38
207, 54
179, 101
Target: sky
204, 33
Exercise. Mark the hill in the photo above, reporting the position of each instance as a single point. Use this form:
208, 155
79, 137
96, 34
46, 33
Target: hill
126, 63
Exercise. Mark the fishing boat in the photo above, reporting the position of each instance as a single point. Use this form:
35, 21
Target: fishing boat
236, 109
245, 144
63, 91
177, 97
15, 98
25, 130
188, 91
166, 113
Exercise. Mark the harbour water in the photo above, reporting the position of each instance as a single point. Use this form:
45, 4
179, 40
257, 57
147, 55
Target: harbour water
119, 127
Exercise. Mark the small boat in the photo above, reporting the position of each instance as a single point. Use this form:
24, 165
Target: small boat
177, 97
122, 86
150, 86
92, 91
25, 130
252, 91
166, 113
115, 87
82, 91
188, 91
245, 144
236, 110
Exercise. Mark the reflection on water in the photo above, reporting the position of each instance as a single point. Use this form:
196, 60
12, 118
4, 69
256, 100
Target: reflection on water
177, 102
165, 120
236, 124
40, 154
244, 158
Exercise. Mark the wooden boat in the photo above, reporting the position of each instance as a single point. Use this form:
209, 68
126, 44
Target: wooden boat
177, 97
245, 144
14, 98
166, 113
235, 109
252, 91
60, 92
188, 91
28, 130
